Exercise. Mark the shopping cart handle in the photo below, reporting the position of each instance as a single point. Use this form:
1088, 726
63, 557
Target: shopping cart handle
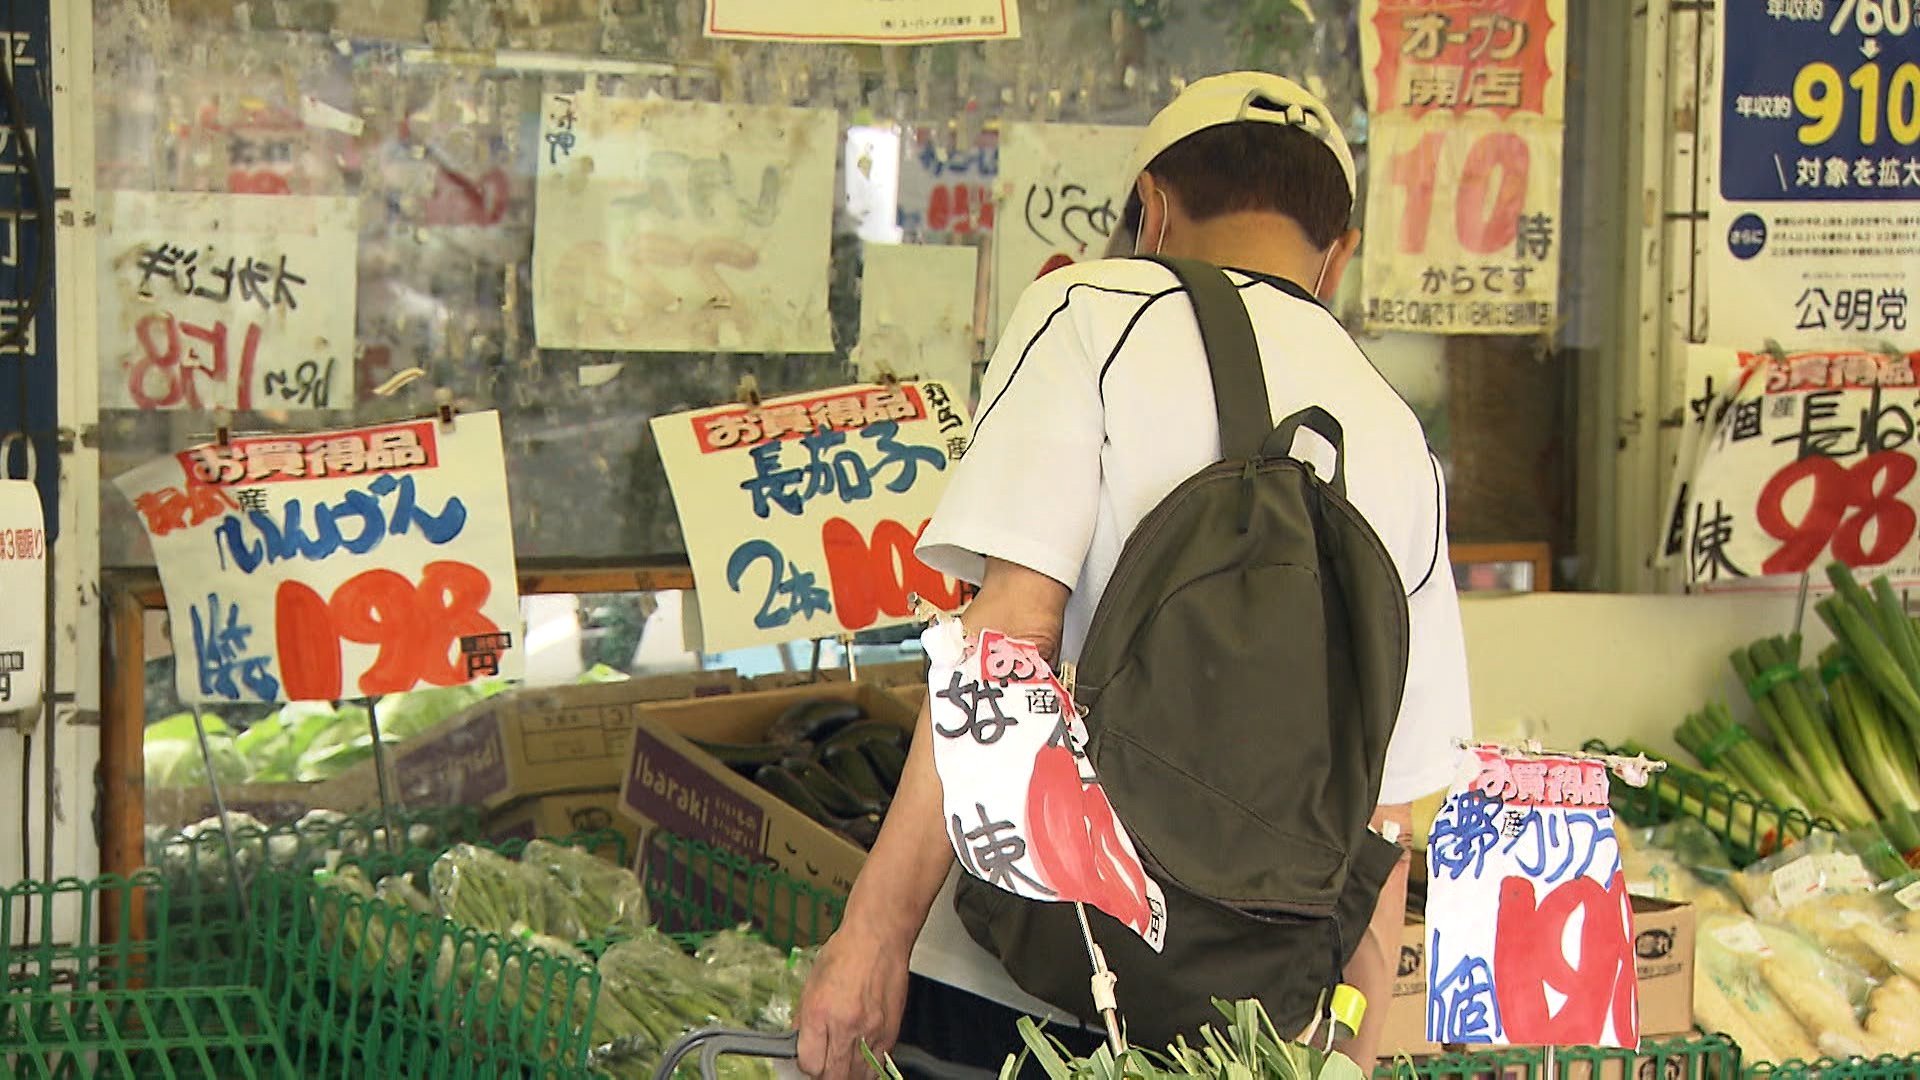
712, 1042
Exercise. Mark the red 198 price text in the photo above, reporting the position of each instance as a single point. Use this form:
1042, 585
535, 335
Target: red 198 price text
415, 627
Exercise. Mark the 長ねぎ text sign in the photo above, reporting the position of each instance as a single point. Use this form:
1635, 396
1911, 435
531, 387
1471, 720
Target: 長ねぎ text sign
1529, 841
1795, 460
801, 513
338, 564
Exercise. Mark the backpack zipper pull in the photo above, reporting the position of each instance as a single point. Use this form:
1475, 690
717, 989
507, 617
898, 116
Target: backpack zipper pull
1246, 492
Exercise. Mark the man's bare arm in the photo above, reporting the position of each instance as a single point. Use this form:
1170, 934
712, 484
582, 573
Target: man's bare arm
1375, 962
858, 987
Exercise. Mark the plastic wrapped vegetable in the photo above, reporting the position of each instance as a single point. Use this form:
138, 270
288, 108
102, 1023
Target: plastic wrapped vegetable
766, 981
1822, 865
1680, 861
1893, 1016
584, 896
485, 890
1730, 994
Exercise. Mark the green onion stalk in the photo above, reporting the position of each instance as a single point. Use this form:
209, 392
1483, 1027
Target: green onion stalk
1712, 736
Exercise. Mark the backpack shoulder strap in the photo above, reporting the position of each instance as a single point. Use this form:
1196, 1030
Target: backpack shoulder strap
1233, 357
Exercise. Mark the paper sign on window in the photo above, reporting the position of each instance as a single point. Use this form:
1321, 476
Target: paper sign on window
340, 564
801, 513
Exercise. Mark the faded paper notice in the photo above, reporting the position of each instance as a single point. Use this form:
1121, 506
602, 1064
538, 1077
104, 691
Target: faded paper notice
893, 22
1061, 193
392, 20
242, 301
916, 314
668, 226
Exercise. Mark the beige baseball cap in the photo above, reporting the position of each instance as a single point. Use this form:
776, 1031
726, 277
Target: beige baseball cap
1237, 96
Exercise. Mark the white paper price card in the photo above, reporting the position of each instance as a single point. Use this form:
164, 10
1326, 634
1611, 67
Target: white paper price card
23, 560
316, 566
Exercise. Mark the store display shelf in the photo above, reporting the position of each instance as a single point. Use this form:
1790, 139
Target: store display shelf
1702, 1057
1749, 829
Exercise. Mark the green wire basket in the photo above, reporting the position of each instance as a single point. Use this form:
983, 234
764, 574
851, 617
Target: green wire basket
51, 940
224, 1032
1707, 1057
1749, 829
696, 890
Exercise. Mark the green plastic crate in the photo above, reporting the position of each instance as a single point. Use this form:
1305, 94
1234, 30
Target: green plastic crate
207, 941
1707, 1057
51, 939
365, 988
1749, 829
1881, 1068
223, 1032
696, 889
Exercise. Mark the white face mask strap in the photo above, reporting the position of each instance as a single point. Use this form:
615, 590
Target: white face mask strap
1160, 243
1324, 264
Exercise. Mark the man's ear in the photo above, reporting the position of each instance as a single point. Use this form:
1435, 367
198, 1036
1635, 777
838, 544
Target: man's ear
1338, 258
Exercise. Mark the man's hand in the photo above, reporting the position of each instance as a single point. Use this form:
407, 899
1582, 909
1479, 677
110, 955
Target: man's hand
855, 994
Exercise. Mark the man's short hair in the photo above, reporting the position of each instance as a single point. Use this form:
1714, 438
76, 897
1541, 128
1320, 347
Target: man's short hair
1255, 166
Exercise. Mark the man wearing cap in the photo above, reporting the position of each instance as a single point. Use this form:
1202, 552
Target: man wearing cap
1096, 405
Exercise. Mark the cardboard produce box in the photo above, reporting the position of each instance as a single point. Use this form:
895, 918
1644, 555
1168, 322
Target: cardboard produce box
672, 784
898, 673
562, 814
1663, 940
534, 741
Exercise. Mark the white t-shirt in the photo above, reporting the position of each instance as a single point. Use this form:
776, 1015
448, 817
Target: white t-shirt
1098, 403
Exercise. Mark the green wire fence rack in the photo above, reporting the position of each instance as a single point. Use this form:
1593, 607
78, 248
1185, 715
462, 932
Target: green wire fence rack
697, 889
78, 1006
1881, 1068
50, 936
207, 941
1708, 1057
183, 1032
368, 988
1749, 829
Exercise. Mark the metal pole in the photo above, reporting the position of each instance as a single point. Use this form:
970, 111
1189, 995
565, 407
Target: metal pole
220, 808
1103, 981
380, 774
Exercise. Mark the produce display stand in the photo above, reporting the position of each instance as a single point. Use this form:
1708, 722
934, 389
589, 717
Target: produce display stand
1708, 1057
80, 1007
1749, 829
206, 941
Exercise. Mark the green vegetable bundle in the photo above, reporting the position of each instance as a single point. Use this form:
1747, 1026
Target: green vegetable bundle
485, 890
582, 896
1789, 705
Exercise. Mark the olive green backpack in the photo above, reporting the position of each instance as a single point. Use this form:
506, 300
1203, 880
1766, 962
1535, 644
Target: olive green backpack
1241, 678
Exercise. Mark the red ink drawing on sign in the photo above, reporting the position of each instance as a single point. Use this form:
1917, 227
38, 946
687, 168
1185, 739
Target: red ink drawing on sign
1530, 959
165, 510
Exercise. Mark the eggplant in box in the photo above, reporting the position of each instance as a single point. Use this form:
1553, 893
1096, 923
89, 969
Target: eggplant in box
675, 784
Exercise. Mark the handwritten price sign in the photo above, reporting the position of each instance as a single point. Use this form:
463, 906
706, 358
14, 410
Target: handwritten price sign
314, 567
1796, 460
242, 301
667, 226
1464, 195
801, 515
1531, 841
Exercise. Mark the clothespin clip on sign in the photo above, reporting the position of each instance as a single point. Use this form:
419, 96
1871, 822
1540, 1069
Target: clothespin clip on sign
222, 427
748, 392
443, 405
886, 377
